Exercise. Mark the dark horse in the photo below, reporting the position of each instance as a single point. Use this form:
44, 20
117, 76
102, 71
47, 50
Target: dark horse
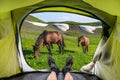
84, 41
47, 38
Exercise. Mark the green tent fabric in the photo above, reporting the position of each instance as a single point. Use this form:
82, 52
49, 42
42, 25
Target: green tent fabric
13, 12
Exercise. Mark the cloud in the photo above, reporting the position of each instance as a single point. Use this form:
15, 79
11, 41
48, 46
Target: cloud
60, 16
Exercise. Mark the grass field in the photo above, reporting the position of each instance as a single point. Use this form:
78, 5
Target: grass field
71, 49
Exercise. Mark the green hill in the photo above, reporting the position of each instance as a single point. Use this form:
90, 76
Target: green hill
32, 18
73, 31
78, 23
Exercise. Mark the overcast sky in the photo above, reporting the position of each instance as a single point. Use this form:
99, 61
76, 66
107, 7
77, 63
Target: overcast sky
61, 16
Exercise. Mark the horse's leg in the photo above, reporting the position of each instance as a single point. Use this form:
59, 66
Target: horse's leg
49, 48
44, 45
62, 46
51, 45
36, 54
62, 49
87, 48
84, 50
59, 47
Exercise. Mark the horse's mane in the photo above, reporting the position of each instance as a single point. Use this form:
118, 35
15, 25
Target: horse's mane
40, 38
44, 33
80, 37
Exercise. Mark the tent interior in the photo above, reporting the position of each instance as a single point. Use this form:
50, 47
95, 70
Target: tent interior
106, 56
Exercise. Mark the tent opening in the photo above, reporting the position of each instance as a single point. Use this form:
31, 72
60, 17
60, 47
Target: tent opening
10, 39
71, 26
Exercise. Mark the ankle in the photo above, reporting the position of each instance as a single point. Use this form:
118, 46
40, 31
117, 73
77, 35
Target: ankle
66, 69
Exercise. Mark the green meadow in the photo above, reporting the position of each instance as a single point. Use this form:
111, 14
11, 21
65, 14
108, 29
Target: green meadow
30, 33
70, 38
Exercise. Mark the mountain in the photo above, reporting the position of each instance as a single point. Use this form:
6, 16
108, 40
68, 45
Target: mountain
78, 23
32, 18
73, 27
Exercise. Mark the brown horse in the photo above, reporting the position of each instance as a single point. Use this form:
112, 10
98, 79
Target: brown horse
48, 38
84, 41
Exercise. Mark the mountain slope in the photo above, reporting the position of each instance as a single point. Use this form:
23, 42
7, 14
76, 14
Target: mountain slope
73, 30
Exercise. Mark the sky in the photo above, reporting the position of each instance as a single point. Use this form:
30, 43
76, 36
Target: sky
61, 16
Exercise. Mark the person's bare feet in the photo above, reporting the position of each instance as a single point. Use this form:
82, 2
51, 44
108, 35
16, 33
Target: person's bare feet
53, 66
52, 76
68, 76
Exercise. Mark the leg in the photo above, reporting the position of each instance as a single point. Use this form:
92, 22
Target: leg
36, 54
49, 48
44, 45
59, 47
54, 69
52, 76
62, 47
51, 45
87, 48
67, 68
68, 76
52, 65
84, 49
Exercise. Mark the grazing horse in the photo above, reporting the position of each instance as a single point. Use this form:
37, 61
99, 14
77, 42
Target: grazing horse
48, 38
84, 41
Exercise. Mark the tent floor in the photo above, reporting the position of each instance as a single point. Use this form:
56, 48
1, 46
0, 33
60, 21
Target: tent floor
42, 75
